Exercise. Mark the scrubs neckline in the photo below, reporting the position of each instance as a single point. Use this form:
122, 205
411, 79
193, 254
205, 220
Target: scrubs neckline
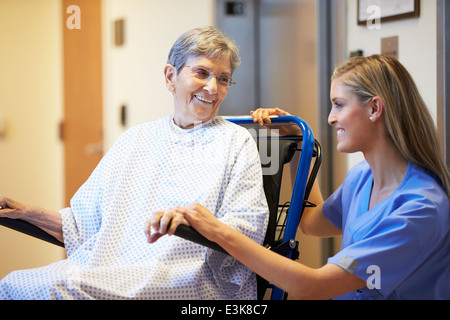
369, 187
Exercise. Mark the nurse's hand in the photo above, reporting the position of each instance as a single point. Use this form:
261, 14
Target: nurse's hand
262, 117
202, 220
163, 222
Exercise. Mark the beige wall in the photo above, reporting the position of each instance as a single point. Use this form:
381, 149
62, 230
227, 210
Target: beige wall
30, 106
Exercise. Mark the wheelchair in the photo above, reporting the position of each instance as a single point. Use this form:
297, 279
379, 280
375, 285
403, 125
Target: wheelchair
275, 152
284, 218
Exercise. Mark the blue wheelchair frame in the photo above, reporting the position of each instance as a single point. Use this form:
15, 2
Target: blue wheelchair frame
298, 193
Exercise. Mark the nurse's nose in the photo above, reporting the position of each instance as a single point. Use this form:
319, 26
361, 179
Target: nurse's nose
331, 118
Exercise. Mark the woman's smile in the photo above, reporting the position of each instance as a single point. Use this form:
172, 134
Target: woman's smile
203, 99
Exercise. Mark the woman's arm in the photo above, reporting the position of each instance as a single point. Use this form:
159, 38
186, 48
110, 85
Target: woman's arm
298, 280
48, 220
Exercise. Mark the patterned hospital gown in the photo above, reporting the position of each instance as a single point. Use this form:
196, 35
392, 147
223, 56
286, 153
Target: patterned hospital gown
155, 166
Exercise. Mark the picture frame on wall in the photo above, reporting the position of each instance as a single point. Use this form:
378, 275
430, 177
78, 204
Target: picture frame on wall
388, 10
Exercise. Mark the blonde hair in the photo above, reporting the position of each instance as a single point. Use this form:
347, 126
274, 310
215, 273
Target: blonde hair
409, 123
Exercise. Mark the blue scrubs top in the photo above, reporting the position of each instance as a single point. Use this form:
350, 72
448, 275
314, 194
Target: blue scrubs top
401, 247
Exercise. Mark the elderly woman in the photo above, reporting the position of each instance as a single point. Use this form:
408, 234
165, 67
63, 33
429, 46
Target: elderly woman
192, 156
392, 209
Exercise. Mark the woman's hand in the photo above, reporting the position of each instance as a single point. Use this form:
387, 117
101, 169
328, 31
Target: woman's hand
163, 222
262, 117
48, 220
12, 209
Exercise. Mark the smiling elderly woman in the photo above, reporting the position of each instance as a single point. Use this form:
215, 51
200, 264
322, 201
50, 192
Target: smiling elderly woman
190, 157
194, 60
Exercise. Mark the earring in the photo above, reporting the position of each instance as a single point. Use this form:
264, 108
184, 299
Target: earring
371, 118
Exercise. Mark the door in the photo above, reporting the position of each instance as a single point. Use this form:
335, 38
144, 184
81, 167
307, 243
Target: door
82, 128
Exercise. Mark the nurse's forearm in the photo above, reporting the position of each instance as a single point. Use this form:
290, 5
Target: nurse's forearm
298, 280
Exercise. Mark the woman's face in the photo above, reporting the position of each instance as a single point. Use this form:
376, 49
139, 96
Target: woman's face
350, 118
197, 99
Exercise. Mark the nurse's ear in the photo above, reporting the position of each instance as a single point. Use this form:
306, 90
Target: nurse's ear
170, 73
376, 108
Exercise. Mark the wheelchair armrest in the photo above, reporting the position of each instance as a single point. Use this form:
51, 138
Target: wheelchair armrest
29, 229
190, 234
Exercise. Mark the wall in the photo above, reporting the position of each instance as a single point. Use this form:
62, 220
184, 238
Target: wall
133, 73
417, 48
31, 106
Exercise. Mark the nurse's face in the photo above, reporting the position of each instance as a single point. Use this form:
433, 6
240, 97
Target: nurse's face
350, 118
197, 96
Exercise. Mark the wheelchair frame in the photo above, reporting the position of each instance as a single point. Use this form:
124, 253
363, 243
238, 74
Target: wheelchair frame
304, 180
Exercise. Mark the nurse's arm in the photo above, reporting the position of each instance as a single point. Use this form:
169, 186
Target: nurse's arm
298, 280
313, 222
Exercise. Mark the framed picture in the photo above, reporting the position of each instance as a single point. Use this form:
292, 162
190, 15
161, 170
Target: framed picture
387, 10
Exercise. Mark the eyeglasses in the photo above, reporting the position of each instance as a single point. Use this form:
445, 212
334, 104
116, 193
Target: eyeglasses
223, 79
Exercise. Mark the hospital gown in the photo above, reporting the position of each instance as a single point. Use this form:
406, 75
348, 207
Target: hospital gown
155, 166
401, 247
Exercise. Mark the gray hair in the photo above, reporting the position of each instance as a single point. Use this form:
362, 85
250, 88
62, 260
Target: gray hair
203, 41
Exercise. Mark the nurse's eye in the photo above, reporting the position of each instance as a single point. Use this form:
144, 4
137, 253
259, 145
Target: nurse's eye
336, 105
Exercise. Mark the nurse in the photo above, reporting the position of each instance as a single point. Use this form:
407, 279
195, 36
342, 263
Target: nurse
392, 209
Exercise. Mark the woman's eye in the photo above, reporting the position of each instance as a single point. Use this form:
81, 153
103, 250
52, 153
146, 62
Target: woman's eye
202, 73
224, 79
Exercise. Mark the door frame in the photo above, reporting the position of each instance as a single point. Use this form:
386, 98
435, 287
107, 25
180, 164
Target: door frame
443, 77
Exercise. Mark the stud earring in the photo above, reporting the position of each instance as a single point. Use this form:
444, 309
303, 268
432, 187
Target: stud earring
371, 118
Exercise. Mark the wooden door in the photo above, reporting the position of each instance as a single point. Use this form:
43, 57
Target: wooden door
82, 128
